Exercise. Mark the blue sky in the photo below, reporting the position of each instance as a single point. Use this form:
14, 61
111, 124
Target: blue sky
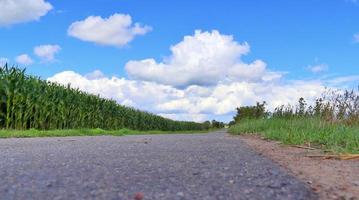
302, 41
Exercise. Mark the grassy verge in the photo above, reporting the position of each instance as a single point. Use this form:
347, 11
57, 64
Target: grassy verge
338, 138
83, 132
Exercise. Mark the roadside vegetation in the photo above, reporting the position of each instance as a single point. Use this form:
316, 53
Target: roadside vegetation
332, 123
30, 103
84, 132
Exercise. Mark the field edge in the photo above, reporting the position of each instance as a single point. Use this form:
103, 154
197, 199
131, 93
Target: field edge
33, 133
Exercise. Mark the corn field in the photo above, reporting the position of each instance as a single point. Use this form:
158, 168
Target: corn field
28, 102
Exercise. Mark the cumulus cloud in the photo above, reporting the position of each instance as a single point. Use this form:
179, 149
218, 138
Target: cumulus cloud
47, 52
185, 117
224, 98
205, 58
97, 74
18, 11
24, 59
203, 78
318, 68
140, 94
116, 30
196, 103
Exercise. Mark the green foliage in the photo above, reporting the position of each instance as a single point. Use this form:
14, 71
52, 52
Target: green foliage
216, 124
27, 102
334, 106
336, 137
83, 132
250, 112
331, 123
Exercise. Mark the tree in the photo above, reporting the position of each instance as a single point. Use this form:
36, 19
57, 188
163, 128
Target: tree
251, 112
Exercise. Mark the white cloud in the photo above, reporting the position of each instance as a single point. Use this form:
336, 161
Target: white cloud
197, 103
318, 68
204, 78
3, 61
97, 74
344, 80
206, 58
24, 59
185, 117
224, 98
356, 37
47, 52
18, 11
117, 30
135, 93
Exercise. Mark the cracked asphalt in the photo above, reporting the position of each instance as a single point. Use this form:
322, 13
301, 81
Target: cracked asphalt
176, 166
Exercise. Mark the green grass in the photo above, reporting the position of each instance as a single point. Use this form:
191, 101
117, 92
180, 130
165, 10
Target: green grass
338, 138
83, 132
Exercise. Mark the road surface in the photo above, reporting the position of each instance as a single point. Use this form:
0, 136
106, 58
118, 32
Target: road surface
180, 166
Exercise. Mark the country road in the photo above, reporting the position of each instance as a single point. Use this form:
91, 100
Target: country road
180, 166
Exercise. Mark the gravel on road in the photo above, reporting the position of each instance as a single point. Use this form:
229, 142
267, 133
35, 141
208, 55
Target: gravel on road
178, 166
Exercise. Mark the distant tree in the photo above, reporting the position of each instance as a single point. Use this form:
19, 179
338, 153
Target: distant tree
251, 112
207, 124
217, 124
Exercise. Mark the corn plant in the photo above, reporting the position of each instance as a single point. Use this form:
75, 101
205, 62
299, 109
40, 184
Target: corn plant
28, 102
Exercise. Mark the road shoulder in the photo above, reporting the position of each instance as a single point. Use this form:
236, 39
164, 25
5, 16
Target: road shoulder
331, 179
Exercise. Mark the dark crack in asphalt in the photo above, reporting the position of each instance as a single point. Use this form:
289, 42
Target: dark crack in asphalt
180, 166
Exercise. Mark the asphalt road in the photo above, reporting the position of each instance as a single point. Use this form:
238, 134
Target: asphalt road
181, 166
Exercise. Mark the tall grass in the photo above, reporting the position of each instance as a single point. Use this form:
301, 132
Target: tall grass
334, 105
332, 122
336, 137
27, 102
